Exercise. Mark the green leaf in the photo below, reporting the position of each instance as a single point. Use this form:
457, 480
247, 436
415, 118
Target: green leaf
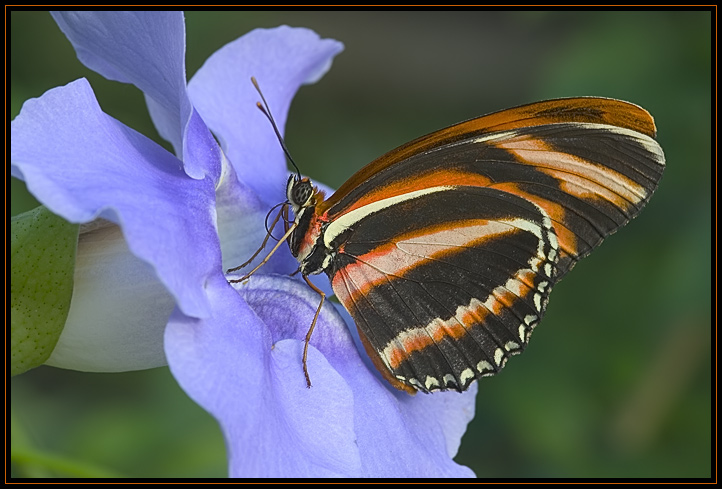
42, 261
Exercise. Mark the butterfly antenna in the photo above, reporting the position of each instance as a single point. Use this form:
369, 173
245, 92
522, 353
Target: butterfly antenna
267, 112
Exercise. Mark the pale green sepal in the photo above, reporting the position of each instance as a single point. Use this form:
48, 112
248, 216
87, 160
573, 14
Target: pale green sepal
42, 262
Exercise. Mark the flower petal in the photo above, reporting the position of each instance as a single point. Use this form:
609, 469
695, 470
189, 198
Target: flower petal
147, 49
119, 308
232, 365
406, 436
394, 434
83, 164
241, 227
281, 59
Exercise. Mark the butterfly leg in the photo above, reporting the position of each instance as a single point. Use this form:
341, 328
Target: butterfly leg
268, 256
310, 330
263, 245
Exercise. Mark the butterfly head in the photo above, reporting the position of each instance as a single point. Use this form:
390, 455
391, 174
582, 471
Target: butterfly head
299, 192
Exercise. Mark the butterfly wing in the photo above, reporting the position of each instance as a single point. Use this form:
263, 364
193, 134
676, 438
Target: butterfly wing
448, 247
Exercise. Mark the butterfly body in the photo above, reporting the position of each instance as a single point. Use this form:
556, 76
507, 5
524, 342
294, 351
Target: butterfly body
444, 250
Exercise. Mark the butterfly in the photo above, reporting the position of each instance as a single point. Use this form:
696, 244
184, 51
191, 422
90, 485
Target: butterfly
444, 250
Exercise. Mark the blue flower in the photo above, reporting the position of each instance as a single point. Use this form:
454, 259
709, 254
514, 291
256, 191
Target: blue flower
161, 228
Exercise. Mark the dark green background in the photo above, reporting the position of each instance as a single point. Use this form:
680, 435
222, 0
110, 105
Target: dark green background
617, 380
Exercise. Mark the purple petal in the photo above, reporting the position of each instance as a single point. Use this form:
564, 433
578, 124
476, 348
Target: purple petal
407, 436
281, 59
83, 164
233, 366
144, 48
147, 49
244, 366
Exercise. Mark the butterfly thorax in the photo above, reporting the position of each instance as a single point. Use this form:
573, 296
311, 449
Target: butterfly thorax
306, 241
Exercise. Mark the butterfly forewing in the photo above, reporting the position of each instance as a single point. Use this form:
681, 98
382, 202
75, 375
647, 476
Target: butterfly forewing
444, 250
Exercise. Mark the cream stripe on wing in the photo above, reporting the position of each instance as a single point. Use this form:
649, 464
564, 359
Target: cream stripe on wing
395, 259
581, 177
347, 220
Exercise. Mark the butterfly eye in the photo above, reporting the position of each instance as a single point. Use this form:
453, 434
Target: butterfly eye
301, 191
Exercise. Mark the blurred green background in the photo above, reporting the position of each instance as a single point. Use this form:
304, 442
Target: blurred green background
617, 380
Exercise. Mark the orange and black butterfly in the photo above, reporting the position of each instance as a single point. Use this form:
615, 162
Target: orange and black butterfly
444, 250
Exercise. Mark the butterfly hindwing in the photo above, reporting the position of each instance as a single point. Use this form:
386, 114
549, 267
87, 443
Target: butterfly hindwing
441, 292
